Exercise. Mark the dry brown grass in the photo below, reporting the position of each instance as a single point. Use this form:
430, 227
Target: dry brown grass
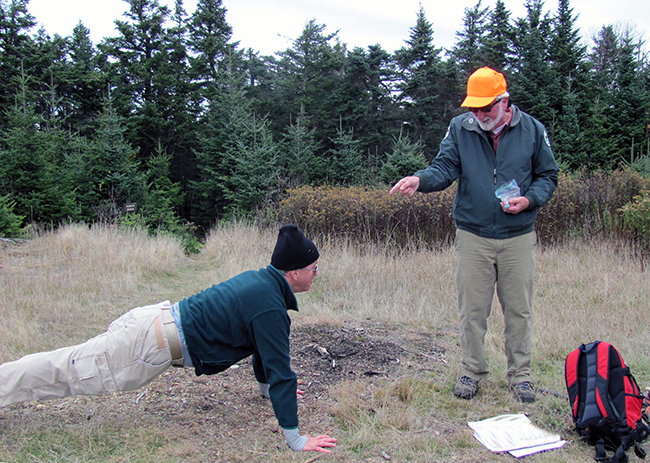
64, 287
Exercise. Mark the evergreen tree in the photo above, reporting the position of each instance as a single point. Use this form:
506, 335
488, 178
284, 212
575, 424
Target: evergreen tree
83, 84
631, 104
367, 104
499, 37
566, 52
143, 85
15, 24
344, 160
453, 89
212, 54
115, 174
406, 157
185, 106
163, 197
32, 156
421, 72
600, 151
309, 76
532, 85
250, 165
469, 50
300, 162
568, 146
569, 88
219, 130
10, 223
45, 63
604, 59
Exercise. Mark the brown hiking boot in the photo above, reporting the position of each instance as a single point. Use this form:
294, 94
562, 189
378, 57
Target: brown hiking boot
523, 391
466, 388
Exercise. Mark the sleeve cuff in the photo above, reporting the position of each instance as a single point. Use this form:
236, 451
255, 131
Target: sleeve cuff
264, 389
295, 441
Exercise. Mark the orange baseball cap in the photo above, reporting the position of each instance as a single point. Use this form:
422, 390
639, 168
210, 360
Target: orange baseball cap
483, 86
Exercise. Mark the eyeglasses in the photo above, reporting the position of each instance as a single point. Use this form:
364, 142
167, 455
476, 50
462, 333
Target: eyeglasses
315, 269
488, 108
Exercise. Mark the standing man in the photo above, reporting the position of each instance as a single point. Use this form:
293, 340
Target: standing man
485, 148
210, 331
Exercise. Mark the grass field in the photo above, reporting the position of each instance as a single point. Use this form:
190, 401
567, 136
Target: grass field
65, 287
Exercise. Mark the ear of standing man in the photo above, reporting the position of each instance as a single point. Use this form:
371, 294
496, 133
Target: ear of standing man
209, 331
485, 148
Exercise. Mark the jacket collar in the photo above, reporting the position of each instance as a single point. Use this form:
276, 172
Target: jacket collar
287, 292
470, 123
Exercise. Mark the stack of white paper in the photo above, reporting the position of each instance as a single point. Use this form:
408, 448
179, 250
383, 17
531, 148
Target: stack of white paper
514, 434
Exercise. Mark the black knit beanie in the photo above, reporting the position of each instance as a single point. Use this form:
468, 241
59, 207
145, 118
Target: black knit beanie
293, 251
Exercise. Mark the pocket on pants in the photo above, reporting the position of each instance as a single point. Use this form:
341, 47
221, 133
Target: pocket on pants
153, 350
93, 374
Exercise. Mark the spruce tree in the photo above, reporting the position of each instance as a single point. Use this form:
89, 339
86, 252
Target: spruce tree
15, 24
344, 160
143, 81
367, 104
250, 171
631, 104
300, 160
469, 50
532, 85
83, 84
569, 88
405, 158
115, 174
499, 36
163, 198
421, 77
309, 77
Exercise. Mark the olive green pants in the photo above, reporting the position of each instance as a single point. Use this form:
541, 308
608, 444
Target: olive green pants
131, 353
482, 263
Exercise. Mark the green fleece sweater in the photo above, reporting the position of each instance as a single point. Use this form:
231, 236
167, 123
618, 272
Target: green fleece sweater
243, 316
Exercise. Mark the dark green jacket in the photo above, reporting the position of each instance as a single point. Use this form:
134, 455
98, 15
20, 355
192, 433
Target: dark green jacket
466, 154
246, 315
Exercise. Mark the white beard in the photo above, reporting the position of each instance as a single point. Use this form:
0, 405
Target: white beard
488, 124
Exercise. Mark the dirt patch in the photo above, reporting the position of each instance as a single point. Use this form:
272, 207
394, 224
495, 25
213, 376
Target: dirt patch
221, 410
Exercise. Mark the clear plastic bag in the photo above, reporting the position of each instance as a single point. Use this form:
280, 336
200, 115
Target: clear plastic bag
508, 191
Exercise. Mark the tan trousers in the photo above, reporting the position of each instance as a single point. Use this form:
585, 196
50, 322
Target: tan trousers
130, 354
482, 263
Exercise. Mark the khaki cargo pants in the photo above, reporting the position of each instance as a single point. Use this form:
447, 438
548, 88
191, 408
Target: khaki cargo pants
131, 353
482, 263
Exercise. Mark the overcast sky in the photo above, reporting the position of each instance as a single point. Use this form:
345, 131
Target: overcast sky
269, 26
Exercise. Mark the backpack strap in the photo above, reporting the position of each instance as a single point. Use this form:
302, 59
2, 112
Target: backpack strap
639, 451
597, 406
601, 454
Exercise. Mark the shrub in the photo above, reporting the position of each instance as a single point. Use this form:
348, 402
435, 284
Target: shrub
583, 205
636, 218
370, 214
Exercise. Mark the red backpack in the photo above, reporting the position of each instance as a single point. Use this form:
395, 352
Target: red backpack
606, 403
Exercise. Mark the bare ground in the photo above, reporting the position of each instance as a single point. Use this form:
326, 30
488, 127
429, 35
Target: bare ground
223, 417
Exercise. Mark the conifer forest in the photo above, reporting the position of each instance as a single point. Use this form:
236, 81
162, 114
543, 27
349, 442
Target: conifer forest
172, 124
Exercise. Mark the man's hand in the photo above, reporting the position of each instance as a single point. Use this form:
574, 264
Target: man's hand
515, 205
299, 394
318, 444
407, 186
